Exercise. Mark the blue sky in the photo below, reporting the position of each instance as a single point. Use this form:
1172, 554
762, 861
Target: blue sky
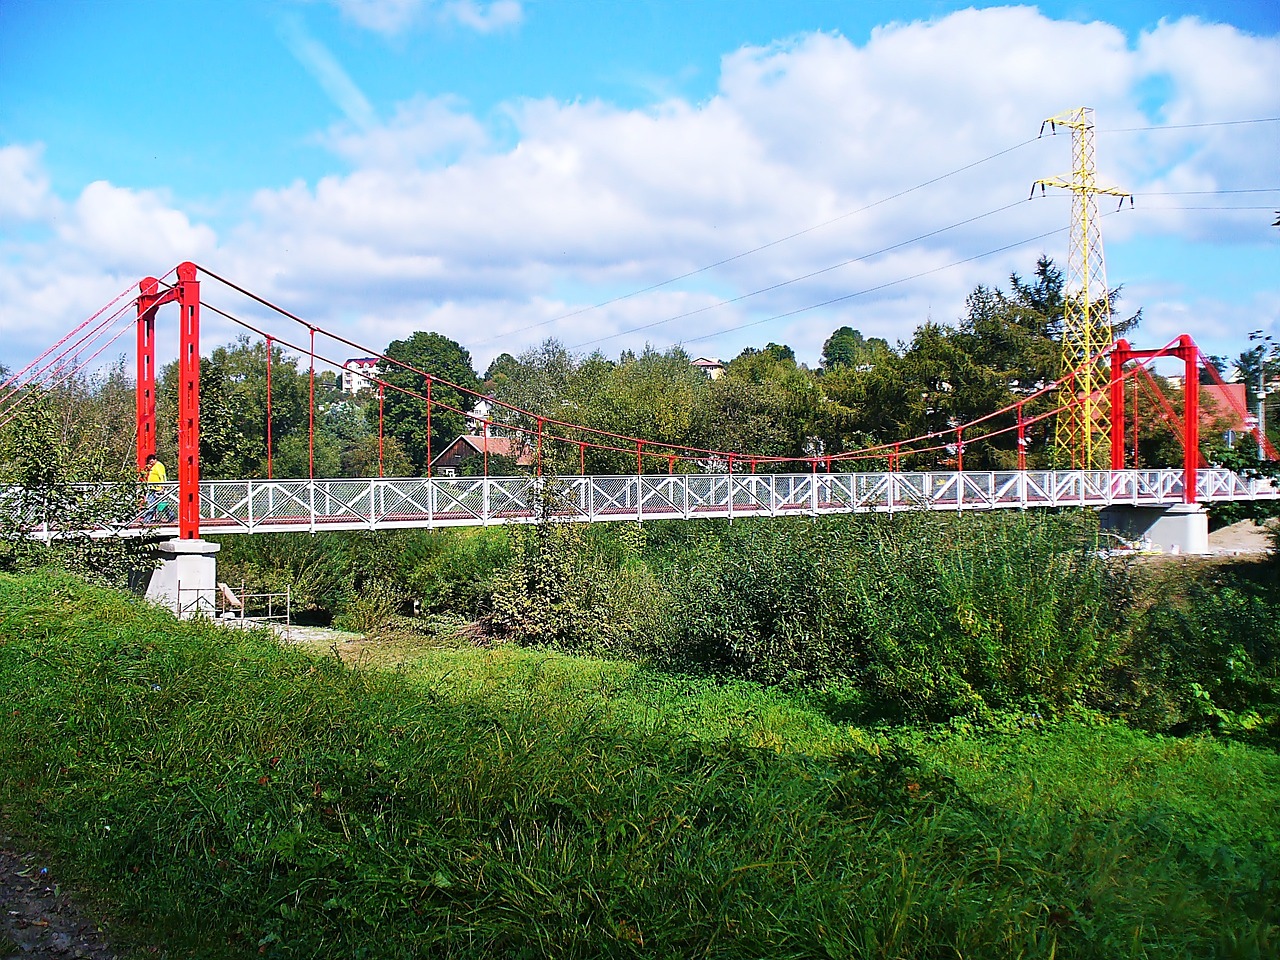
484, 168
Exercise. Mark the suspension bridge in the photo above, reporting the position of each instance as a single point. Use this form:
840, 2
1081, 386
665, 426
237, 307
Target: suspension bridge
669, 482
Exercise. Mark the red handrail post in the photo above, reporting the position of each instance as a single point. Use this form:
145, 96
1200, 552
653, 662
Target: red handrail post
960, 449
1136, 463
188, 294
1022, 441
311, 408
539, 446
429, 426
381, 387
582, 458
270, 350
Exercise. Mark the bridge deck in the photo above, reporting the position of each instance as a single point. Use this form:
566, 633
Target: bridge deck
270, 506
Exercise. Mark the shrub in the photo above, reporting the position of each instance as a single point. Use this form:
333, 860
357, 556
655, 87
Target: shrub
933, 615
1204, 655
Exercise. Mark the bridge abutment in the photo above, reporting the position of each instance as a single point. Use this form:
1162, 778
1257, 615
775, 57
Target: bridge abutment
1179, 528
187, 579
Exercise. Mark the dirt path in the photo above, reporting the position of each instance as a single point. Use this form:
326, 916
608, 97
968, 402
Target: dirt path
1245, 537
37, 920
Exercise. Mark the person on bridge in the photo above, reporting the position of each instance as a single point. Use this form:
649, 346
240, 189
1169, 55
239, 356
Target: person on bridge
157, 502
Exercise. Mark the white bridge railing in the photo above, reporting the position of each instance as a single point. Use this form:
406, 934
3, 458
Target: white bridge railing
271, 506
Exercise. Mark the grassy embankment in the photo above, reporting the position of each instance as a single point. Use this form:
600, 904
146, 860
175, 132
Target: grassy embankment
228, 796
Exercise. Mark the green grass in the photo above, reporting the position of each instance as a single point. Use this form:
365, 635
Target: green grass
228, 797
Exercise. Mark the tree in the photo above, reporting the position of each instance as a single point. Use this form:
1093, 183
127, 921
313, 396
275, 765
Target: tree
500, 372
765, 404
233, 412
404, 404
60, 466
654, 395
846, 347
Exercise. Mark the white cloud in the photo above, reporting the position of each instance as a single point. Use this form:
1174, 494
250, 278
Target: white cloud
423, 131
133, 229
325, 69
75, 257
24, 186
382, 16
392, 17
484, 17
440, 225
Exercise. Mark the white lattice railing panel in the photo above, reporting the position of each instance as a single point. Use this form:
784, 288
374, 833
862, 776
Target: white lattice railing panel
260, 506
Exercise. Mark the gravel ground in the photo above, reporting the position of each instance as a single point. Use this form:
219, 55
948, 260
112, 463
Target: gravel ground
1245, 537
37, 920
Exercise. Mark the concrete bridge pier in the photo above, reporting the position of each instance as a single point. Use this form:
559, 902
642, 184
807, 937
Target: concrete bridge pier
187, 579
1180, 528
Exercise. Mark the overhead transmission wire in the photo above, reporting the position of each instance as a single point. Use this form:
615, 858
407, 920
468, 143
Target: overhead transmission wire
877, 287
1189, 126
757, 249
825, 223
807, 276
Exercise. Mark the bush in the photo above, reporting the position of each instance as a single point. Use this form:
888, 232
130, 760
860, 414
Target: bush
1205, 655
579, 590
455, 570
932, 615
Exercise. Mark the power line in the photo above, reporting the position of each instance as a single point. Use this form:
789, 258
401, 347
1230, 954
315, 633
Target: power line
1191, 126
799, 233
753, 250
882, 286
1267, 206
807, 276
1209, 193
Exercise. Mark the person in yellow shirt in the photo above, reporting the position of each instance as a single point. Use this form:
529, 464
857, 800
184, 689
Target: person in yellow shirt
157, 502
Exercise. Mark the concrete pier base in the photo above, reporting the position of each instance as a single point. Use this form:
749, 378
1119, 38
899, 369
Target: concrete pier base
1181, 528
187, 579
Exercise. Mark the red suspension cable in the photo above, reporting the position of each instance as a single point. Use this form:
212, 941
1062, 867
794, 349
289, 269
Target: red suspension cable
269, 352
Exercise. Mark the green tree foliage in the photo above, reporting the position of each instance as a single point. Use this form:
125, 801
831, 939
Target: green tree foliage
499, 373
233, 412
653, 395
846, 347
1005, 347
66, 462
765, 404
405, 415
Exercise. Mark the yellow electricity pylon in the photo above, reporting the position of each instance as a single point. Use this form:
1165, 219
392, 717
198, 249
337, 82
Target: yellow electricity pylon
1082, 435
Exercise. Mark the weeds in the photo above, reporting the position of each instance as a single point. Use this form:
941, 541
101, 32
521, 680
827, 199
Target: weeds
517, 803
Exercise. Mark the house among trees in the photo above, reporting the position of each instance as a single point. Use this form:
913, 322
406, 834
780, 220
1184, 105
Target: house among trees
712, 368
464, 457
358, 374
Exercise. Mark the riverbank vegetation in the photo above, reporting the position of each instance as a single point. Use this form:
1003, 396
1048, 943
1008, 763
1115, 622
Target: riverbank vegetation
915, 617
229, 796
